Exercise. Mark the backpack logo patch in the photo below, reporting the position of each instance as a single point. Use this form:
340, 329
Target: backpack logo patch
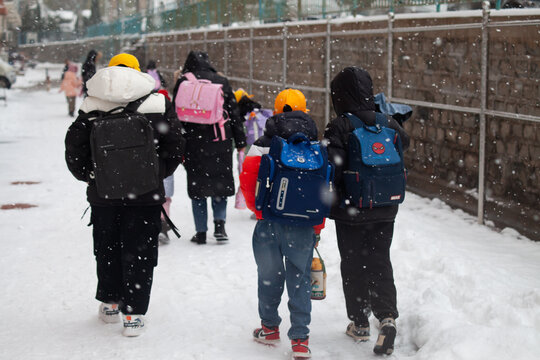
378, 148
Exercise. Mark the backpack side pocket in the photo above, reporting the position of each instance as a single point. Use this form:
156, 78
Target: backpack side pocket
264, 181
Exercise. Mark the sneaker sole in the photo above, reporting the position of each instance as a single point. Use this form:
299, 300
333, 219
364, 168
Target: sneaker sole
385, 342
267, 342
130, 333
358, 338
297, 356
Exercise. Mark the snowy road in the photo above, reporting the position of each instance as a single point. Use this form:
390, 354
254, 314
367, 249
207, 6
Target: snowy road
464, 290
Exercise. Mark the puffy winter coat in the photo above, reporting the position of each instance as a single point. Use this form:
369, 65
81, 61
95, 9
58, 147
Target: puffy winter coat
208, 163
110, 88
282, 125
352, 91
71, 84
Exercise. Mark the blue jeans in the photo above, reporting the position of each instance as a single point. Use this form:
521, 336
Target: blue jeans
200, 211
283, 254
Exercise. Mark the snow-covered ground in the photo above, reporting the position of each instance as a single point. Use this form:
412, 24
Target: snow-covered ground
465, 291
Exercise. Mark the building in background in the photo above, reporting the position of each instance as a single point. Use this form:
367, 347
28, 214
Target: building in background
10, 23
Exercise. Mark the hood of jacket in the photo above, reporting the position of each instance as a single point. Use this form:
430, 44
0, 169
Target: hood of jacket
197, 61
286, 124
352, 91
120, 84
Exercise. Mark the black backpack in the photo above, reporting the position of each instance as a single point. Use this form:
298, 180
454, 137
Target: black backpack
123, 150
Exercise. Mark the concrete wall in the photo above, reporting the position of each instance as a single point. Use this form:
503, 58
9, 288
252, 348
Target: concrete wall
437, 66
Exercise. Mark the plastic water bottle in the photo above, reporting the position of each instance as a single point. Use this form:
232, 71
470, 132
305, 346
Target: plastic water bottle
318, 279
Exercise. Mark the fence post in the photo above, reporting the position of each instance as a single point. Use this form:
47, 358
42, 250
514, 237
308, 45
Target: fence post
483, 103
225, 54
284, 35
250, 88
328, 72
390, 51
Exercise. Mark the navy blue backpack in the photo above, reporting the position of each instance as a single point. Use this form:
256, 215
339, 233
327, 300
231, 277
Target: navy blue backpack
376, 174
294, 182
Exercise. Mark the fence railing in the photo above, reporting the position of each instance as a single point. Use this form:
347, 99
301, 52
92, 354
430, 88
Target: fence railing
229, 12
482, 110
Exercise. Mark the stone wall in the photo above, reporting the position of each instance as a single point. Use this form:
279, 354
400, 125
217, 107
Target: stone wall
442, 67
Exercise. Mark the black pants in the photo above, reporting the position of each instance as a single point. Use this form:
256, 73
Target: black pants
71, 104
126, 249
366, 270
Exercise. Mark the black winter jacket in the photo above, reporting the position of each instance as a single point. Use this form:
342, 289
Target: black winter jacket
88, 69
352, 91
286, 124
169, 145
208, 163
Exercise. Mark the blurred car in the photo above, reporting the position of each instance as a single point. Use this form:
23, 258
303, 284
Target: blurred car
7, 75
520, 4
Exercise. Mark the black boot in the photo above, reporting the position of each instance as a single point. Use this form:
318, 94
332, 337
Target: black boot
387, 336
199, 238
219, 231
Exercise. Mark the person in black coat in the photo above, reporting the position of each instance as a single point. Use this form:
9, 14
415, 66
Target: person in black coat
126, 229
208, 162
364, 235
89, 67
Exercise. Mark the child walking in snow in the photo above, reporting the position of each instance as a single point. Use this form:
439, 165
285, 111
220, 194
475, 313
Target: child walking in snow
125, 209
364, 234
255, 119
283, 252
71, 85
208, 158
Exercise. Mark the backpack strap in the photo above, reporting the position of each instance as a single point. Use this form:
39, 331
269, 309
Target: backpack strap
355, 120
130, 107
381, 119
134, 105
190, 77
169, 221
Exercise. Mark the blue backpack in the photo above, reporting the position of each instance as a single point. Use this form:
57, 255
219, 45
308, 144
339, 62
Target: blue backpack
294, 182
376, 175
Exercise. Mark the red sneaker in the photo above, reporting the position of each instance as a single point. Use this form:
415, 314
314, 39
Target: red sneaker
266, 335
300, 349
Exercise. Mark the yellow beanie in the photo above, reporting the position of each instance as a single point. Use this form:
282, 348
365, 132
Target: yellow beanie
291, 97
125, 59
241, 92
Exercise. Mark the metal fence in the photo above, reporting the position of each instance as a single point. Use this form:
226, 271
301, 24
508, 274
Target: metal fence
229, 12
173, 47
390, 31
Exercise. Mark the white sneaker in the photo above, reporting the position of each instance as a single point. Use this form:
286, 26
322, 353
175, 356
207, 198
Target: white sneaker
109, 313
133, 325
163, 238
358, 333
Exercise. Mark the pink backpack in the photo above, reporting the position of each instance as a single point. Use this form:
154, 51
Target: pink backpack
155, 75
200, 102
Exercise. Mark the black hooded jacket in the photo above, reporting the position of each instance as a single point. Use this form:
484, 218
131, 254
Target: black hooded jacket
246, 105
208, 163
352, 91
286, 124
89, 68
